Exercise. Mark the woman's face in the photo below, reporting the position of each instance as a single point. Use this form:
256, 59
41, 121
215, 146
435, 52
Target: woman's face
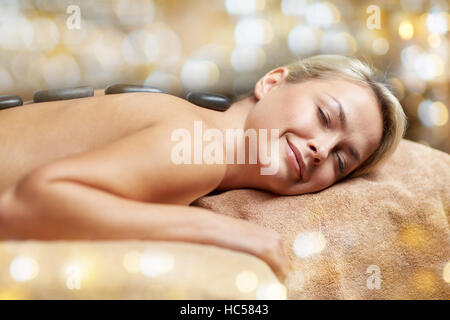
307, 115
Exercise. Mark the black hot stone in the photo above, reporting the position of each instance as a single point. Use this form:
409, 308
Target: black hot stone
209, 101
63, 94
10, 101
129, 88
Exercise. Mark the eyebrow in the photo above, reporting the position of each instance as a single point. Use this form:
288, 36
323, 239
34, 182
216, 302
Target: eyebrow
342, 116
343, 121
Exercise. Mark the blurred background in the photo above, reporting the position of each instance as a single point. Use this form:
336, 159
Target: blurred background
224, 46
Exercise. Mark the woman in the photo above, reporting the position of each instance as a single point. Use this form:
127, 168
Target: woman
103, 167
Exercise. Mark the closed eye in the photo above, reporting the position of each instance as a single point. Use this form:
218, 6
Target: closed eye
342, 167
324, 118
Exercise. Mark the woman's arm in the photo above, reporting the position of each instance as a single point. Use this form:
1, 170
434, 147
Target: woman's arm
131, 189
46, 210
52, 210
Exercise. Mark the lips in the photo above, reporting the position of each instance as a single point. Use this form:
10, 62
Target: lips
298, 158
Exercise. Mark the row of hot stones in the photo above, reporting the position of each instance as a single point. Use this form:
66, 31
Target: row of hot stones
201, 99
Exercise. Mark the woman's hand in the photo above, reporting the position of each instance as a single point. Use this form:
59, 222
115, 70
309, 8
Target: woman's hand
273, 251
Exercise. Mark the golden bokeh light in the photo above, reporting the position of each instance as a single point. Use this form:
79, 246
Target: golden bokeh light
433, 113
52, 71
16, 32
434, 40
438, 113
46, 35
271, 291
156, 262
23, 268
414, 237
6, 80
199, 74
248, 58
406, 30
338, 43
322, 14
166, 81
253, 31
446, 273
132, 261
380, 46
304, 40
308, 243
238, 7
294, 7
246, 281
134, 12
425, 281
437, 23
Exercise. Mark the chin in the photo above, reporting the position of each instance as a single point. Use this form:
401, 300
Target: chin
283, 181
281, 184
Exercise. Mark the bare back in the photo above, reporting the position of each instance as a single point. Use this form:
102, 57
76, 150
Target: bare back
36, 134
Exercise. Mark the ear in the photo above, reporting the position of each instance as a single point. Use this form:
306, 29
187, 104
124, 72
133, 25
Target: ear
269, 81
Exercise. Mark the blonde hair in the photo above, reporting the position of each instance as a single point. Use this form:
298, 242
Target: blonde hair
351, 68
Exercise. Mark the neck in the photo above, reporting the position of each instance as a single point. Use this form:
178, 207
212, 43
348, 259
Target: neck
238, 175
236, 114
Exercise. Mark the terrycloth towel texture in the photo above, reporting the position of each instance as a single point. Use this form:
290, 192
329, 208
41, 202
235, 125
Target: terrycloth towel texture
382, 236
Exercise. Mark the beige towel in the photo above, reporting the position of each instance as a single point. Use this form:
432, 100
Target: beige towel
382, 236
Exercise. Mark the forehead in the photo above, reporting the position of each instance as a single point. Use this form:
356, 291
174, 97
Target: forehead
346, 89
359, 103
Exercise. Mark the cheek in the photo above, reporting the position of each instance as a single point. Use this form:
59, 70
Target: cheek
300, 115
291, 116
282, 107
269, 114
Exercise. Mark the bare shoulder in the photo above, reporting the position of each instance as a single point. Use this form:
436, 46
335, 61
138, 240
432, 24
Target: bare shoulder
145, 165
168, 108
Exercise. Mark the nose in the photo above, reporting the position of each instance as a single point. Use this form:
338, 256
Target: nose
317, 153
319, 150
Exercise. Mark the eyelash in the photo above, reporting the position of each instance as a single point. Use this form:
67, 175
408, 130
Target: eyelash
327, 123
325, 119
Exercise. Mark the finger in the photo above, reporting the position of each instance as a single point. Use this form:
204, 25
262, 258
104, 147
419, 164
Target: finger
280, 271
282, 276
